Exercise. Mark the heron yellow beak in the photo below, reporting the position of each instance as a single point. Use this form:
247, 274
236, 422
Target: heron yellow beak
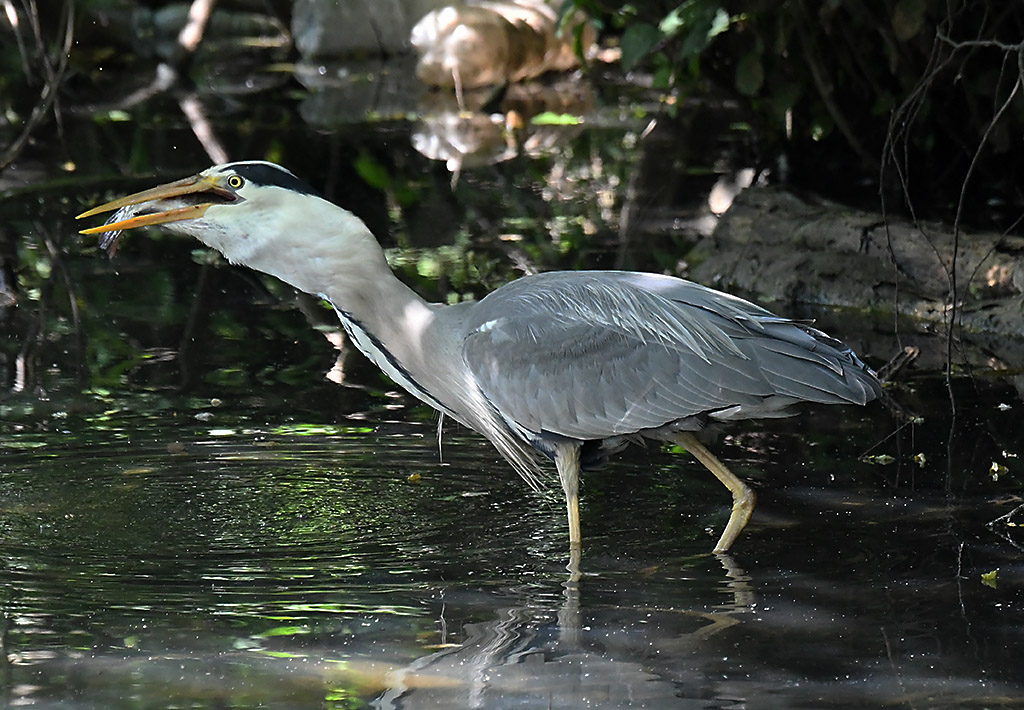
194, 185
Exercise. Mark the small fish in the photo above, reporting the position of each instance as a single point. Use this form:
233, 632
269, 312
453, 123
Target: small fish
109, 240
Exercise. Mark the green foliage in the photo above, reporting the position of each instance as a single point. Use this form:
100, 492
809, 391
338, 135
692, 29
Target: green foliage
375, 174
550, 118
689, 28
372, 171
749, 74
909, 18
637, 42
936, 77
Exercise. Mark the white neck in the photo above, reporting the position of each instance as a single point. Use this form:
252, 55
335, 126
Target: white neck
329, 252
344, 264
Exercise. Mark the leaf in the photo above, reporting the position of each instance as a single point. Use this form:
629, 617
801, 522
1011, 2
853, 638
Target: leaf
372, 171
719, 24
989, 578
292, 630
701, 20
637, 41
673, 21
693, 15
550, 118
908, 18
749, 74
662, 78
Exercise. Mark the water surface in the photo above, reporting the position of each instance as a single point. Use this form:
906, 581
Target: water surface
217, 556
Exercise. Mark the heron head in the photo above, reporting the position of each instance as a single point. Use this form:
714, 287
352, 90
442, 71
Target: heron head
227, 207
257, 214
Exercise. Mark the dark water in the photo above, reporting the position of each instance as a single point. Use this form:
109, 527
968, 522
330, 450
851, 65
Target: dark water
248, 553
191, 516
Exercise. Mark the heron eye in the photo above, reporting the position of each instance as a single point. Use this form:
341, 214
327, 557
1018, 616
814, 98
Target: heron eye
235, 182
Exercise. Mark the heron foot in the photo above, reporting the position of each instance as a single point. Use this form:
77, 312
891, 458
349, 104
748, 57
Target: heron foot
743, 497
743, 501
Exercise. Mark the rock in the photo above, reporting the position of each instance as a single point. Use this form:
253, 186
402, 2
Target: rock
781, 246
481, 43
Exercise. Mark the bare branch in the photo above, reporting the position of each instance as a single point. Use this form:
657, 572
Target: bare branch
49, 93
198, 17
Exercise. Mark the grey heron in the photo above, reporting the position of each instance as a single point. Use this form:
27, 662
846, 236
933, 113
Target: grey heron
570, 366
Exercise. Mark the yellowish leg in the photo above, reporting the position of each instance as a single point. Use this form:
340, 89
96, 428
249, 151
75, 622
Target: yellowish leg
743, 498
567, 460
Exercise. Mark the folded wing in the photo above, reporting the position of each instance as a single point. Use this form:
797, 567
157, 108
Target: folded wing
591, 355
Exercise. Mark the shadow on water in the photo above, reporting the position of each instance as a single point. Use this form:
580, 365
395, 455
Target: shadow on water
190, 516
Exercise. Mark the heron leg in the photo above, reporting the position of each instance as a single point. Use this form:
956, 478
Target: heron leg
567, 461
743, 498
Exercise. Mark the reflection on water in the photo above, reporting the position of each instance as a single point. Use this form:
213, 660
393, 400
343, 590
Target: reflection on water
227, 562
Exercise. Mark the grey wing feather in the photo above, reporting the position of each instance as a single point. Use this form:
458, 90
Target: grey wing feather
590, 355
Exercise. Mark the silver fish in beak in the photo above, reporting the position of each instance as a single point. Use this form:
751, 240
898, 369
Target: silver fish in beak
174, 202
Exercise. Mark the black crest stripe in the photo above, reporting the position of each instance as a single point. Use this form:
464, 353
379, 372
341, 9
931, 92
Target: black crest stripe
270, 174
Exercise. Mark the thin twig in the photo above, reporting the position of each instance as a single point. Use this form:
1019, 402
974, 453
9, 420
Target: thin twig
958, 44
49, 93
960, 207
